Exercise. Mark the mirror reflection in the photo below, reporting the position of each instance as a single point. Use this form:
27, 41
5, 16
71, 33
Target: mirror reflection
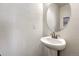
58, 16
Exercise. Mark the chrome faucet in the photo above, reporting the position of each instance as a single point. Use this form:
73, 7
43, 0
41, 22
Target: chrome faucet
54, 35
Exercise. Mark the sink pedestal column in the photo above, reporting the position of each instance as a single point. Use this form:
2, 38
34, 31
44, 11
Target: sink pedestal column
52, 52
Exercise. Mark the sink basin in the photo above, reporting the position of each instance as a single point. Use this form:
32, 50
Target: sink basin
52, 43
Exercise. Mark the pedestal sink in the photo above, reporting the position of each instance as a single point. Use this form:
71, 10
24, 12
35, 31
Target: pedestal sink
52, 43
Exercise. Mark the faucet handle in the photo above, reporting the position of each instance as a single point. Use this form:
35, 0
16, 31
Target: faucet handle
51, 34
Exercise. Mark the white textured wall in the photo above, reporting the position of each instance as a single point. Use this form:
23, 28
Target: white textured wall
20, 29
70, 33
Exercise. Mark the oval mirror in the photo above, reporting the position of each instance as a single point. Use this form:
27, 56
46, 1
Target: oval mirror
58, 16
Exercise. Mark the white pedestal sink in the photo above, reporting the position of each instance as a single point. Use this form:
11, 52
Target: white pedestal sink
52, 43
